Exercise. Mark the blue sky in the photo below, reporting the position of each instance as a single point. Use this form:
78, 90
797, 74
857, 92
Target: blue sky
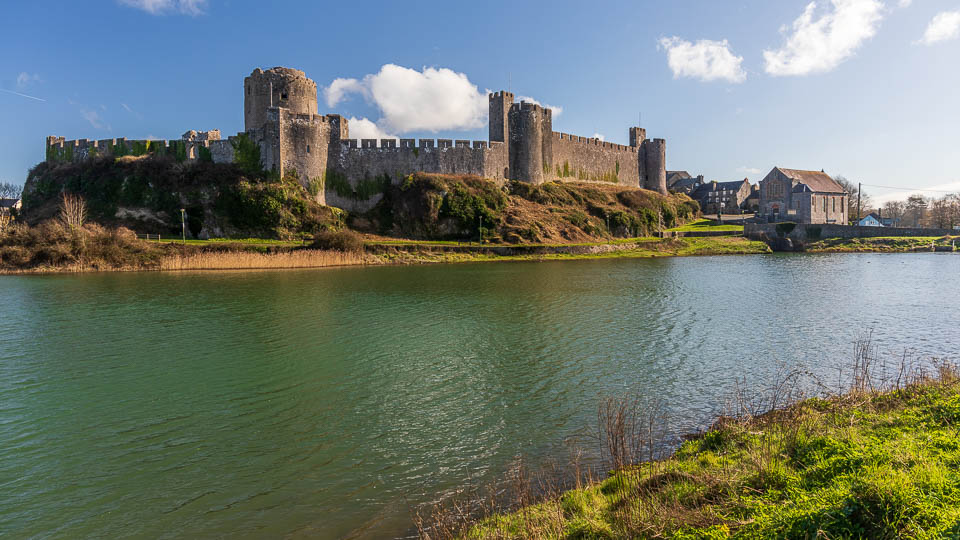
862, 88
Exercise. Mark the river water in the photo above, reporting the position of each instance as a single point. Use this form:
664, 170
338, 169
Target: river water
327, 403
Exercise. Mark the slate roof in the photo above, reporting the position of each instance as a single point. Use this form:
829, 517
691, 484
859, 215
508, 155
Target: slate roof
8, 203
684, 182
710, 187
676, 176
816, 181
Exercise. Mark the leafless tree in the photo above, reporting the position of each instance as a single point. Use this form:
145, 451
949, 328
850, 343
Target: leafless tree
894, 210
9, 190
953, 212
940, 212
73, 211
915, 210
853, 190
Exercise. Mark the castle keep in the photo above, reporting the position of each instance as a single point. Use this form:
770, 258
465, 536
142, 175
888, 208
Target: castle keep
281, 117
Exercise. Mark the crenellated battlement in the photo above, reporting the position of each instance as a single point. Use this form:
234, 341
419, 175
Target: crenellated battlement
558, 136
188, 148
412, 144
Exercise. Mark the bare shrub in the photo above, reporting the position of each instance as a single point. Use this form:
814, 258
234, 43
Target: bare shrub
345, 240
73, 211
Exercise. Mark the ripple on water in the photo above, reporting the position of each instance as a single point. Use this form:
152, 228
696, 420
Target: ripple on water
318, 403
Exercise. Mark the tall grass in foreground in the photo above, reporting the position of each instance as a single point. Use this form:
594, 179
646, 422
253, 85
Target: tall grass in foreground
875, 454
247, 260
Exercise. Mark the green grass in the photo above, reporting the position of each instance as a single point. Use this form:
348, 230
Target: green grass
707, 225
889, 244
242, 241
884, 465
640, 248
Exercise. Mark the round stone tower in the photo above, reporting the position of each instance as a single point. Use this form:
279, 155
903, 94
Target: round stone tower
276, 87
656, 165
526, 142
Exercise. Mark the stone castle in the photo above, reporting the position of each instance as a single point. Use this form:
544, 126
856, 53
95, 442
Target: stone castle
281, 117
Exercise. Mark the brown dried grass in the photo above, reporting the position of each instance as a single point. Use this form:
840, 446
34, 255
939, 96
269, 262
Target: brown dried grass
246, 260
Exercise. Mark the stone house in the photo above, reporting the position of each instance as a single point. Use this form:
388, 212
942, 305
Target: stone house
683, 182
752, 203
723, 197
802, 197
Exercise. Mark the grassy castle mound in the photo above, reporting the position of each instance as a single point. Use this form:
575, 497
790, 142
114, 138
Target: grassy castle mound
145, 194
446, 207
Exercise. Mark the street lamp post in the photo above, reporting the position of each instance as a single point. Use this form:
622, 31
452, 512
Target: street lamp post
183, 224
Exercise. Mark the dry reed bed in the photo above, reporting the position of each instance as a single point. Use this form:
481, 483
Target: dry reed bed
246, 260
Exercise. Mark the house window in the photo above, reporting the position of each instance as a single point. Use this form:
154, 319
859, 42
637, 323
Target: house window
824, 205
774, 189
834, 203
283, 95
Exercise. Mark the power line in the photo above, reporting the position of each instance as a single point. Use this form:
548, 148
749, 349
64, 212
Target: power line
912, 189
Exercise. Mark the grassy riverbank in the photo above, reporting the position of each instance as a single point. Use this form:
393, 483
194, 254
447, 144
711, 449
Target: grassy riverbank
866, 464
53, 247
704, 225
882, 244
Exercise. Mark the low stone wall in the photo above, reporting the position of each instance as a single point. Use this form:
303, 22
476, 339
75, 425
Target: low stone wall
819, 231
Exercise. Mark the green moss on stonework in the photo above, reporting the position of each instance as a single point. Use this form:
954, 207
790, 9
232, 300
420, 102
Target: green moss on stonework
246, 154
364, 190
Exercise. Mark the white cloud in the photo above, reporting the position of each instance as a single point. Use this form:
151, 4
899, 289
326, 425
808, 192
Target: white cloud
749, 170
557, 110
161, 7
339, 88
94, 118
904, 3
943, 27
704, 60
820, 45
363, 128
409, 100
432, 99
25, 79
598, 136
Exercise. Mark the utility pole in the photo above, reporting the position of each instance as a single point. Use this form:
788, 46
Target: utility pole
859, 189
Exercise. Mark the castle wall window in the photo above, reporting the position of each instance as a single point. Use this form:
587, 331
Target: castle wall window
308, 148
283, 95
